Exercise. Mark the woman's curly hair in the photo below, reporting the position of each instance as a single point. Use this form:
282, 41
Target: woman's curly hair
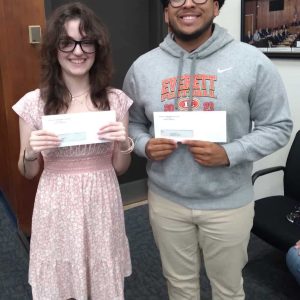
53, 89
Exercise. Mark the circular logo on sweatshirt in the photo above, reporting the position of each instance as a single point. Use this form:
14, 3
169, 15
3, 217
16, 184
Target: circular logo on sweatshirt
183, 104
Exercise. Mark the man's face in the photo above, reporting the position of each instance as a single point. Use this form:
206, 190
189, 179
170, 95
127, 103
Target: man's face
192, 22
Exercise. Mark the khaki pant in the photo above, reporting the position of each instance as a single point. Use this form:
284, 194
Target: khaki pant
222, 235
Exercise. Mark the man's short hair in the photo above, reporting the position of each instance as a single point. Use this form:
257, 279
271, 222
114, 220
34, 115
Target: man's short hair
166, 2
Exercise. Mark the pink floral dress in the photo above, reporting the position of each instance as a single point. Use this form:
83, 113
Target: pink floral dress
78, 246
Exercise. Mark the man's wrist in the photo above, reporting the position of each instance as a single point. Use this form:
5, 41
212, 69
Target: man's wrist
147, 152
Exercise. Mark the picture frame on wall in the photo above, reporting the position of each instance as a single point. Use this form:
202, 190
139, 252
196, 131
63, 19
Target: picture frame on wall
273, 26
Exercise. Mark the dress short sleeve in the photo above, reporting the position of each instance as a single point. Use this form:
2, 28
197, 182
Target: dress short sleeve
30, 108
119, 102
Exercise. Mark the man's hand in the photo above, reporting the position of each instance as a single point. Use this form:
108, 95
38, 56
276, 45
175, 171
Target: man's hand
207, 153
159, 149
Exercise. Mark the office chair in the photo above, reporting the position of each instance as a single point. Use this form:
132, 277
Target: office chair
270, 221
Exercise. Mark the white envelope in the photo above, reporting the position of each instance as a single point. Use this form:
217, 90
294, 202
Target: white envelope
78, 128
191, 125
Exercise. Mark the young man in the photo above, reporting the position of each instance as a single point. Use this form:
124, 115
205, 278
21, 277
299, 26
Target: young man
200, 193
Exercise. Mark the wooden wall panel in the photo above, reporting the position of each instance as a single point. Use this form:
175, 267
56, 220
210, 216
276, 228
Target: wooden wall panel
19, 67
250, 20
4, 137
266, 19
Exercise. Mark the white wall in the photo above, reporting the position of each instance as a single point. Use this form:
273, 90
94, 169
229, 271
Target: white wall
230, 18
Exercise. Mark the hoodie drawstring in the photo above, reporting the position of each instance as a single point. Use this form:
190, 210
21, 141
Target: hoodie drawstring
180, 66
192, 73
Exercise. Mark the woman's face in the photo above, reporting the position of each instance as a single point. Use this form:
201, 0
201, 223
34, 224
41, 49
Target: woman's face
76, 63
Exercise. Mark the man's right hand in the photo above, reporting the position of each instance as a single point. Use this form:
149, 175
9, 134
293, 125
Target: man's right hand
159, 148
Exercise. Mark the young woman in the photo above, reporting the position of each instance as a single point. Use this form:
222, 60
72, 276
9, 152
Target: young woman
79, 248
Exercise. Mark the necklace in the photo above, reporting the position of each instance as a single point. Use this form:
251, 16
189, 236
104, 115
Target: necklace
82, 94
80, 98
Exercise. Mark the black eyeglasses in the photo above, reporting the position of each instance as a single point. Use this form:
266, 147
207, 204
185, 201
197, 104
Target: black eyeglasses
294, 216
68, 45
178, 3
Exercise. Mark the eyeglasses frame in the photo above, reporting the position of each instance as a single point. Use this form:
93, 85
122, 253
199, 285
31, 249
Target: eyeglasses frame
184, 3
76, 43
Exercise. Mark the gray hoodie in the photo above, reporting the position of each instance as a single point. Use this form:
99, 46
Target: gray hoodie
222, 74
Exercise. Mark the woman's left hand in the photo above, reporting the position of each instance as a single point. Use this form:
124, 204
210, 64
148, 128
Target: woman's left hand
114, 131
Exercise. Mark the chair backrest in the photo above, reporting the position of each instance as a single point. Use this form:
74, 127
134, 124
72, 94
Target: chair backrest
292, 170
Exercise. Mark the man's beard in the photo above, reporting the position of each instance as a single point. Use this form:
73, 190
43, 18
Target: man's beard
190, 36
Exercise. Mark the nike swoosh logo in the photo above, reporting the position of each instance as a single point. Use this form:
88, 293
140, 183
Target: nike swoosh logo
224, 70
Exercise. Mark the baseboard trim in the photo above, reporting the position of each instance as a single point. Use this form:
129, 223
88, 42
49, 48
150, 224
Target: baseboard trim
134, 191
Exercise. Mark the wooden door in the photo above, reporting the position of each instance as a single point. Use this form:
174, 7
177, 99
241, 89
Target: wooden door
19, 73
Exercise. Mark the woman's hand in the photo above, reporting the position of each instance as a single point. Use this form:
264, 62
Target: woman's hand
32, 142
117, 132
41, 140
114, 131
